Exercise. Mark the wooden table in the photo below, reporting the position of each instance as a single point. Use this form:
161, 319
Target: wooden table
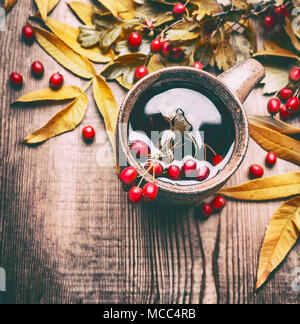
69, 235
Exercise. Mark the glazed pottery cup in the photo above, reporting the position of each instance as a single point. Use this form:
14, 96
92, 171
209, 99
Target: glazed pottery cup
232, 88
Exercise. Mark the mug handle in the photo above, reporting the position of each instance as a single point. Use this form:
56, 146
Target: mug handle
243, 77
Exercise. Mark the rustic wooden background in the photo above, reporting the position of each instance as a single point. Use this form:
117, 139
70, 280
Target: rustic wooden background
67, 233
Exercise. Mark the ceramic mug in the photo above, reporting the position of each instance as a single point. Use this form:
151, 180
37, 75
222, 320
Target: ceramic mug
232, 88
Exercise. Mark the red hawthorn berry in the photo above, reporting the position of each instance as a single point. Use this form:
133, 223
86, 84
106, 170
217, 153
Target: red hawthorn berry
150, 191
273, 106
128, 175
256, 171
218, 203
135, 195
140, 73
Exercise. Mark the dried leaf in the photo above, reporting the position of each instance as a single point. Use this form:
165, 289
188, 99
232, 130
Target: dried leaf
122, 48
281, 236
69, 34
43, 8
119, 66
275, 187
83, 11
107, 106
89, 36
64, 121
289, 30
64, 55
123, 8
240, 45
66, 92
9, 4
205, 7
250, 34
240, 4
276, 78
51, 5
203, 52
275, 124
271, 49
284, 146
225, 55
155, 64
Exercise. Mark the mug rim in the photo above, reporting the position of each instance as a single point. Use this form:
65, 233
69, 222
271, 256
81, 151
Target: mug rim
241, 133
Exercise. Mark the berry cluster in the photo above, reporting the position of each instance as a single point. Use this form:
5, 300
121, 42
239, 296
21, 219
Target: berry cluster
189, 170
256, 171
289, 96
276, 16
55, 82
160, 45
37, 68
216, 205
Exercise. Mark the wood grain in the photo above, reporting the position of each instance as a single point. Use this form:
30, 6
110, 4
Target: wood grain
68, 235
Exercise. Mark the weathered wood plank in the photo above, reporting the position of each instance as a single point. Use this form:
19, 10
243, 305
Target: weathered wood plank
67, 233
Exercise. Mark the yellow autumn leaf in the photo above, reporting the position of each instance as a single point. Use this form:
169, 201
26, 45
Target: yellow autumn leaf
43, 8
51, 5
64, 55
84, 11
9, 4
69, 34
123, 8
64, 93
281, 236
64, 121
274, 123
275, 187
107, 106
284, 146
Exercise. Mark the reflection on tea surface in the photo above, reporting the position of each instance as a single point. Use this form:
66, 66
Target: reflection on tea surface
180, 126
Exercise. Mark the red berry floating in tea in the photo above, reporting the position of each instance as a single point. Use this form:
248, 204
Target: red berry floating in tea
139, 149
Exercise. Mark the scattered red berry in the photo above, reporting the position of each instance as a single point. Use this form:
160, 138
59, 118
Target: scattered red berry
150, 191
174, 172
156, 45
165, 49
198, 65
293, 104
37, 69
285, 93
140, 73
189, 168
256, 171
139, 149
285, 113
206, 210
202, 173
135, 40
157, 169
135, 195
268, 22
88, 133
28, 34
178, 9
177, 54
16, 79
217, 159
218, 203
56, 81
271, 158
294, 75
128, 175
273, 106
